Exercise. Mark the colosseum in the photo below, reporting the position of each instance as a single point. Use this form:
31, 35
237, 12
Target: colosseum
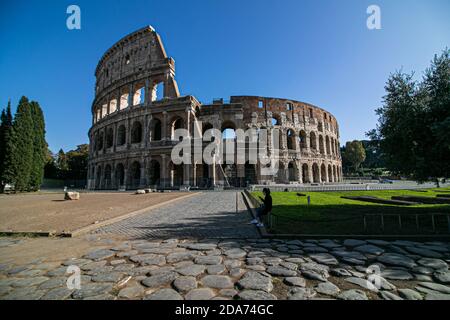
138, 107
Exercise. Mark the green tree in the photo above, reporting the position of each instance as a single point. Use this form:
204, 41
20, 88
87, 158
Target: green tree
39, 147
23, 139
62, 164
354, 154
6, 147
77, 161
414, 122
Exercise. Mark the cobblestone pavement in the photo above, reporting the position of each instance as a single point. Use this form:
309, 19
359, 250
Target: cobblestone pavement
207, 215
239, 269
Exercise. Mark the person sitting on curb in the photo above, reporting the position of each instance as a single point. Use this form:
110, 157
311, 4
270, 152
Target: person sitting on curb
264, 209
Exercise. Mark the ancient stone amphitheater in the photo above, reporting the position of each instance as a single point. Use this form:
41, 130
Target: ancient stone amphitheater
138, 106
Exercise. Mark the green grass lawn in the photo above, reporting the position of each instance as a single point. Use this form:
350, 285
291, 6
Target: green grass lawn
328, 213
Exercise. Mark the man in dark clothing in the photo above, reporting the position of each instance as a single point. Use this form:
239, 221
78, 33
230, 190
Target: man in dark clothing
265, 208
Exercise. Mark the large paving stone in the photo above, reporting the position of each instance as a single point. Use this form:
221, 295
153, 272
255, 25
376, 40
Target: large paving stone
164, 294
424, 252
353, 294
57, 294
180, 256
160, 279
256, 295
437, 296
93, 265
131, 292
92, 289
409, 294
370, 249
327, 288
349, 254
191, 270
100, 254
208, 260
256, 281
215, 269
108, 277
53, 283
185, 284
396, 274
280, 271
200, 294
28, 282
217, 282
437, 264
324, 258
362, 283
76, 262
149, 259
396, 260
235, 253
295, 281
442, 276
386, 295
435, 286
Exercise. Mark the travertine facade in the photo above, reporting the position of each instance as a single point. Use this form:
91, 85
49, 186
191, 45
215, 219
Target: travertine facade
138, 106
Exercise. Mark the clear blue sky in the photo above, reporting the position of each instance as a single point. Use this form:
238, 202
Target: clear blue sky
314, 51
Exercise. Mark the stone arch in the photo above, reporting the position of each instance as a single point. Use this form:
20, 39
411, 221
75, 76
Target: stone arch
120, 175
316, 173
100, 141
292, 172
176, 174
112, 106
98, 177
290, 139
302, 140
121, 135
313, 140
155, 129
305, 173
228, 129
135, 174
275, 120
327, 144
109, 138
136, 132
176, 123
334, 174
139, 95
323, 173
250, 173
321, 145
108, 177
330, 174
154, 172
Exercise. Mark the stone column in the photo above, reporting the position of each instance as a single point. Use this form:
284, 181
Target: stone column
163, 174
164, 127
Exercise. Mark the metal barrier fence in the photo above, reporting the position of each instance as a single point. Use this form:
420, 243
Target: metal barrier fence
377, 223
343, 187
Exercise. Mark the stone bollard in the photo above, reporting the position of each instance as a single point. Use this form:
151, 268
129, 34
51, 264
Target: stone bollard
140, 191
71, 195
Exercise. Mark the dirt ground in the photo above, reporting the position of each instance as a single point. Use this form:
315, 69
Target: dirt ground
50, 213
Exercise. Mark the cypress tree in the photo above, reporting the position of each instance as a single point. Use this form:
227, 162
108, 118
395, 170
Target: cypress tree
6, 147
39, 147
23, 140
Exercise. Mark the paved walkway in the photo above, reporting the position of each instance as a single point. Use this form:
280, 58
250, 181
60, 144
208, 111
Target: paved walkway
252, 269
205, 216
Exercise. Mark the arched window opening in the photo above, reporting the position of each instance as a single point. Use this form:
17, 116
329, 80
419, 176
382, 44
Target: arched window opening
290, 135
136, 132
121, 135
302, 140
109, 137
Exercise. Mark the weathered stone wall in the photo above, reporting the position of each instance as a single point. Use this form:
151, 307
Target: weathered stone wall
138, 106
